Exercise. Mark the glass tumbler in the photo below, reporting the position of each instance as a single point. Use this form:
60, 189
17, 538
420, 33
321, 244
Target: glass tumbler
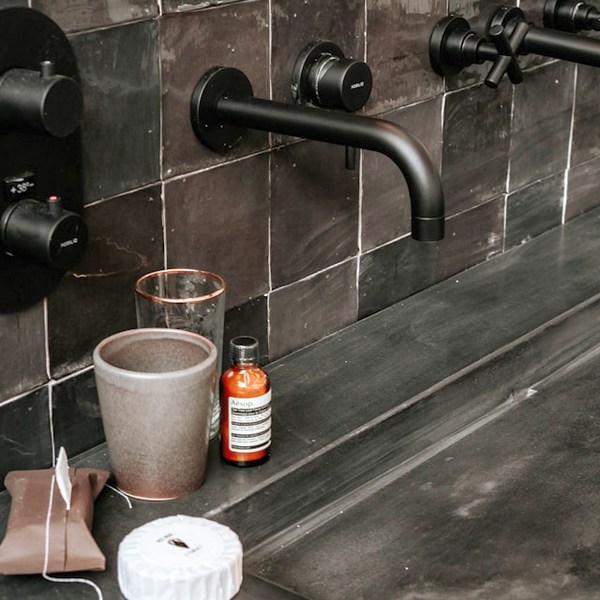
186, 299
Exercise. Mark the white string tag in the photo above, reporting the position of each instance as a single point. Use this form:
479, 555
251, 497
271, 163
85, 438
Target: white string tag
62, 477
63, 482
123, 494
47, 553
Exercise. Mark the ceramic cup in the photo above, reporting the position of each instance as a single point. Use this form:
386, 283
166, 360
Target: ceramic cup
156, 389
185, 299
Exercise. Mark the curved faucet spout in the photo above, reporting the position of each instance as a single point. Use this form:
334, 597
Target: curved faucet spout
422, 178
214, 107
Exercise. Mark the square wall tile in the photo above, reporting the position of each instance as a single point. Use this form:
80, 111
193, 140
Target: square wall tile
476, 143
76, 419
386, 202
297, 24
398, 52
541, 125
23, 357
118, 67
250, 318
472, 237
218, 220
314, 210
583, 188
96, 299
308, 310
25, 427
534, 209
75, 15
393, 272
235, 35
586, 119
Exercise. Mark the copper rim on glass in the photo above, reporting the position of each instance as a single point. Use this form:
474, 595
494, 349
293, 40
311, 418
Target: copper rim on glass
164, 273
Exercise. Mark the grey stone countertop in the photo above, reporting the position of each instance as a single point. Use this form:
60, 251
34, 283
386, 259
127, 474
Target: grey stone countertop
442, 448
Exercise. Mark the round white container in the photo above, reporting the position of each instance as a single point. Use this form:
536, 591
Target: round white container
180, 558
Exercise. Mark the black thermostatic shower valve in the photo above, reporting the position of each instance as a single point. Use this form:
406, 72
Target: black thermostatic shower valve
42, 231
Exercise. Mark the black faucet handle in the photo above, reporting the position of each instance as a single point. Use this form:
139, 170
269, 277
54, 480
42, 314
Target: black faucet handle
508, 49
40, 101
324, 77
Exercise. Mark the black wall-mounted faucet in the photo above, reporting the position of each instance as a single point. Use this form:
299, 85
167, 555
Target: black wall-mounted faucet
571, 15
223, 106
454, 45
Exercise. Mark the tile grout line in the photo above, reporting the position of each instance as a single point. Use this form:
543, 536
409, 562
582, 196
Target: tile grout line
569, 148
270, 188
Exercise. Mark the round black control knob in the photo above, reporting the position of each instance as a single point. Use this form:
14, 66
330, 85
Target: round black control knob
341, 83
324, 77
40, 101
43, 232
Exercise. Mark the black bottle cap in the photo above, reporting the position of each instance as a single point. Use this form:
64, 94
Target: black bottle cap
243, 350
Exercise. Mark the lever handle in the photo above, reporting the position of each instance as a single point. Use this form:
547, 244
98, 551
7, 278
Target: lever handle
350, 158
508, 48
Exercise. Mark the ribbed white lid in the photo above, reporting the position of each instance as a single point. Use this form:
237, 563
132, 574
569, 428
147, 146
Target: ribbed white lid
180, 558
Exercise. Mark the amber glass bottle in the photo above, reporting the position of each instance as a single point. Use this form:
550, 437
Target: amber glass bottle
245, 406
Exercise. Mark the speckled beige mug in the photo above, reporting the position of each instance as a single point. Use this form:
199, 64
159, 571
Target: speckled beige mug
156, 388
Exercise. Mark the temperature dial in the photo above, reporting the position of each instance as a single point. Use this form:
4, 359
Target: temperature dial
43, 232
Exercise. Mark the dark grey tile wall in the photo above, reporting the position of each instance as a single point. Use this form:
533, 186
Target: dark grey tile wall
74, 15
121, 128
308, 310
191, 43
476, 145
218, 220
306, 247
26, 439
23, 363
96, 298
541, 125
534, 209
314, 215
